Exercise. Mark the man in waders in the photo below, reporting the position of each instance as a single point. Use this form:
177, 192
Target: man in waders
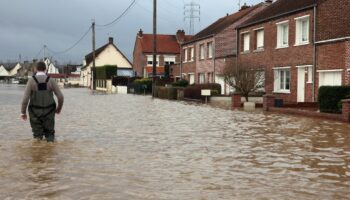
42, 107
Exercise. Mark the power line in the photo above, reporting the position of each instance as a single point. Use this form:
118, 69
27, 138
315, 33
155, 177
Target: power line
74, 45
36, 56
120, 16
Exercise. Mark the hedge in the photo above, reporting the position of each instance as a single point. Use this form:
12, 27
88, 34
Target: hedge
329, 98
180, 83
166, 93
105, 72
194, 92
141, 86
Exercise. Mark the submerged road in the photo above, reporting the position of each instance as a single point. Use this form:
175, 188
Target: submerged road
136, 147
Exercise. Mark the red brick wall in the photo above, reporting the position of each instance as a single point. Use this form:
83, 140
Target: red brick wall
189, 66
347, 62
205, 65
333, 19
285, 57
330, 56
139, 59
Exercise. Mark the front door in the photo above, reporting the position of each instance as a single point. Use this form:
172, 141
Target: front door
301, 84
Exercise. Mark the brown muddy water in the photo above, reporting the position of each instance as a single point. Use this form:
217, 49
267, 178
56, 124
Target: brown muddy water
135, 147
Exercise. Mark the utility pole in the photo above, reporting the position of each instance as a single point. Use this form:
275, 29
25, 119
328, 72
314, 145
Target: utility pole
44, 52
93, 56
154, 69
192, 12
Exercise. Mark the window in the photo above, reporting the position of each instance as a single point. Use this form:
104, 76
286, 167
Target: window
260, 39
210, 49
186, 55
282, 80
192, 54
150, 60
330, 77
201, 78
282, 34
201, 47
309, 74
302, 30
169, 60
246, 42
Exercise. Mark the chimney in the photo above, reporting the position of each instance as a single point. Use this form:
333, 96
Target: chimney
180, 36
245, 6
110, 40
140, 34
268, 1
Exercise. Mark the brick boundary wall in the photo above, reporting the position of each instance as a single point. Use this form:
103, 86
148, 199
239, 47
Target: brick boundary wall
236, 100
268, 105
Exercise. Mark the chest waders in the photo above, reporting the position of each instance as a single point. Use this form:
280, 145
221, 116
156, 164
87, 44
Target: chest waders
41, 109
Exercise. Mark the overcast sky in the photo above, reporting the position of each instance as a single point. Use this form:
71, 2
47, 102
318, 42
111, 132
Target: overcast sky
27, 25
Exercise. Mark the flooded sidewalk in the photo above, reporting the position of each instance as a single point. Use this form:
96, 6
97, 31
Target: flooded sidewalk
136, 147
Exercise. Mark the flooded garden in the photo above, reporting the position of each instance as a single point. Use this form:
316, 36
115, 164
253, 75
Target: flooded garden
136, 147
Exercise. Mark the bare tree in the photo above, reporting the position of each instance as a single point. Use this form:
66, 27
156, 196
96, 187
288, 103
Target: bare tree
244, 77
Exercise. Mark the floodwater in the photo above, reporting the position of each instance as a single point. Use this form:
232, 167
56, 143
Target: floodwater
136, 147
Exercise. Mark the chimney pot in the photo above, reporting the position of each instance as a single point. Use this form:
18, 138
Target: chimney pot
140, 33
110, 40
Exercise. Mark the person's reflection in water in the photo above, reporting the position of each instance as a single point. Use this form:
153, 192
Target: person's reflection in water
43, 168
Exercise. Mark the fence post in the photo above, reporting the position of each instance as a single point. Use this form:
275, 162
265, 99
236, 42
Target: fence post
236, 100
346, 110
268, 101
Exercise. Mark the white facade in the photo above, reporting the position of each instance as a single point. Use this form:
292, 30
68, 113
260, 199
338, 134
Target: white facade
3, 71
13, 71
109, 56
51, 69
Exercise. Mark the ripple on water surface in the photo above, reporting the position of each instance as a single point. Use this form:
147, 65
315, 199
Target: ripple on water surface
136, 147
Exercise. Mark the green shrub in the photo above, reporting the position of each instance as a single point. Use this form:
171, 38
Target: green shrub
194, 92
142, 86
166, 93
105, 72
180, 83
329, 98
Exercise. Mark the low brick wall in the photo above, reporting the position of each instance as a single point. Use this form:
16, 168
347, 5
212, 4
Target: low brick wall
269, 100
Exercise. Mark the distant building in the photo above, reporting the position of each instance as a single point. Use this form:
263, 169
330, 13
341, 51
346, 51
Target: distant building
168, 52
108, 54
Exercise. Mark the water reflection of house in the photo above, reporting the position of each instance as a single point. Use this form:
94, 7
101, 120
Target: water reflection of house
108, 54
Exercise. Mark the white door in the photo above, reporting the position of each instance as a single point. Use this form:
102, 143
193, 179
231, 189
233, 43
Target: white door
191, 77
301, 84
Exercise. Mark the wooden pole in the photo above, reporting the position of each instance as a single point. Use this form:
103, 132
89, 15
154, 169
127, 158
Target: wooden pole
154, 68
93, 56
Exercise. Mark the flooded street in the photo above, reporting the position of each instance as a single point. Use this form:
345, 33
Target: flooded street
134, 147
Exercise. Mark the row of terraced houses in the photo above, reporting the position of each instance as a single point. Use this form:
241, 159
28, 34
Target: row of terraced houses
299, 44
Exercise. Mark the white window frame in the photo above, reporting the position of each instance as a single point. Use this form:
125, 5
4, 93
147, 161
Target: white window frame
278, 78
150, 59
186, 54
210, 49
262, 38
281, 35
299, 30
170, 59
202, 51
246, 41
192, 53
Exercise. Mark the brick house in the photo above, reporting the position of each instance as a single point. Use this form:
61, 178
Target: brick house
206, 55
333, 42
168, 52
279, 40
282, 40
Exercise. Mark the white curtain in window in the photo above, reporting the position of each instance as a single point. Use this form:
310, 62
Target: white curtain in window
246, 42
260, 39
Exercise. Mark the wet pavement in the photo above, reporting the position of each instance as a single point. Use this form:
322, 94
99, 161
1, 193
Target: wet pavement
136, 147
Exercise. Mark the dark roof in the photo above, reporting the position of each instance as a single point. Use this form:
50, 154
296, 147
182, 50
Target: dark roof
223, 23
278, 9
9, 66
89, 57
165, 44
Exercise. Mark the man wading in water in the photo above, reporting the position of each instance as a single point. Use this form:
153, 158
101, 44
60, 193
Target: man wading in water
42, 106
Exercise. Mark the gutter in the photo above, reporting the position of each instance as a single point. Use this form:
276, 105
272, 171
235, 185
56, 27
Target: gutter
333, 40
277, 16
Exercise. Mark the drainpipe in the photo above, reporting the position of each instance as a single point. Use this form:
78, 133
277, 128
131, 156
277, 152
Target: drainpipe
214, 58
180, 60
314, 59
